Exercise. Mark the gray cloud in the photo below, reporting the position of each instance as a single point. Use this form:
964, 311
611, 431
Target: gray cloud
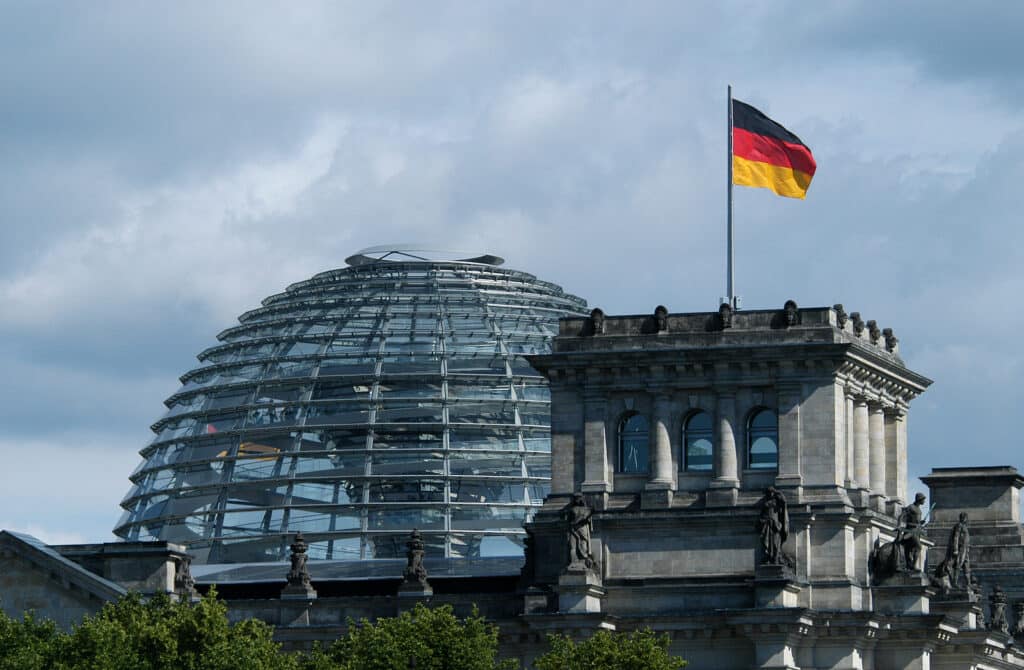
162, 170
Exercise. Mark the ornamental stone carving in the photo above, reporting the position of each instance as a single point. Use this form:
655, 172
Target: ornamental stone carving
910, 532
298, 585
725, 316
1018, 613
841, 316
773, 525
415, 572
184, 583
955, 569
660, 319
890, 339
858, 323
594, 325
873, 332
997, 603
577, 516
790, 311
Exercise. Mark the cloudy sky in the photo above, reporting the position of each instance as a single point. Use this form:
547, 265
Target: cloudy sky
165, 166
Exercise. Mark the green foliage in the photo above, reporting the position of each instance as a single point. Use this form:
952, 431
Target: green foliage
639, 650
435, 638
135, 635
27, 644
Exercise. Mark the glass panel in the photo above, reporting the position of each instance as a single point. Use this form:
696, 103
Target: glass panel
398, 364
390, 439
404, 463
338, 412
405, 518
485, 390
238, 374
258, 467
486, 491
357, 365
341, 518
282, 369
301, 348
273, 416
409, 412
494, 365
341, 464
353, 344
306, 493
482, 517
410, 490
469, 439
341, 390
483, 463
482, 412
279, 393
764, 453
419, 389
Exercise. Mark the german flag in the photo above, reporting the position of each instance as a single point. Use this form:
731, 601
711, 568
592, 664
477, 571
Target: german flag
766, 155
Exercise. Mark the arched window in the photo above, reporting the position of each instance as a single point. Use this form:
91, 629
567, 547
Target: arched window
697, 441
633, 439
763, 441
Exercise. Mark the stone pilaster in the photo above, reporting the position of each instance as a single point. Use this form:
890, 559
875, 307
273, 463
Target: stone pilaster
848, 426
597, 476
876, 449
896, 456
861, 453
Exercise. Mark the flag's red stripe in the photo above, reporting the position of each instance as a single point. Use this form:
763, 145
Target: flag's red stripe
763, 149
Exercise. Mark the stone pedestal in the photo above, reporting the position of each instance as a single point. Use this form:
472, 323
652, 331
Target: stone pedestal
294, 611
580, 591
722, 495
298, 591
960, 605
413, 589
656, 495
903, 593
538, 601
775, 586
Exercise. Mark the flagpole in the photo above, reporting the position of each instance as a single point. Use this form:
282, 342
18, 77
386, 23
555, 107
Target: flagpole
729, 247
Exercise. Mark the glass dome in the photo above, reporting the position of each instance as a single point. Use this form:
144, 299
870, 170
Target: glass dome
358, 405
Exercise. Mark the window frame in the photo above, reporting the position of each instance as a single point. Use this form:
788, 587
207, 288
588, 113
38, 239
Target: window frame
624, 421
708, 433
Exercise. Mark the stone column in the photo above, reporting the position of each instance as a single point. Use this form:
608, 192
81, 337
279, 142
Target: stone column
661, 467
726, 471
596, 478
861, 473
896, 455
876, 448
850, 477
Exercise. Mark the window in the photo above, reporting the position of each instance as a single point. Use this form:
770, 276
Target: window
633, 435
697, 443
763, 441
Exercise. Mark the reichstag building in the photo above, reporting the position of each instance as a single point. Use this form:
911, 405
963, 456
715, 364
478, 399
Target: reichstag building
431, 427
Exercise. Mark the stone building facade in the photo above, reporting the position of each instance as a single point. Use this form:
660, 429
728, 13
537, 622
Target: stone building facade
737, 480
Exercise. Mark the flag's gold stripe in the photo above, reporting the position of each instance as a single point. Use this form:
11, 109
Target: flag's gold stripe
783, 180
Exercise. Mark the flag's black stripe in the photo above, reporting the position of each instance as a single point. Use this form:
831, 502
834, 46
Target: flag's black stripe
751, 119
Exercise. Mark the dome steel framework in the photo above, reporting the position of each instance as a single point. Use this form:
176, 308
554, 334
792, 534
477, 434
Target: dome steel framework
358, 405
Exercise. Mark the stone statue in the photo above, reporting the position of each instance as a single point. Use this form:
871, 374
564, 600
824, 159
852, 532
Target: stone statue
1018, 613
890, 340
594, 324
773, 525
790, 309
873, 332
299, 573
184, 584
660, 319
841, 317
858, 323
725, 315
910, 532
957, 562
577, 517
414, 570
997, 602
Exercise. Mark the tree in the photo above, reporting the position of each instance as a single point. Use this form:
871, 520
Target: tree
27, 644
638, 650
427, 639
133, 634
